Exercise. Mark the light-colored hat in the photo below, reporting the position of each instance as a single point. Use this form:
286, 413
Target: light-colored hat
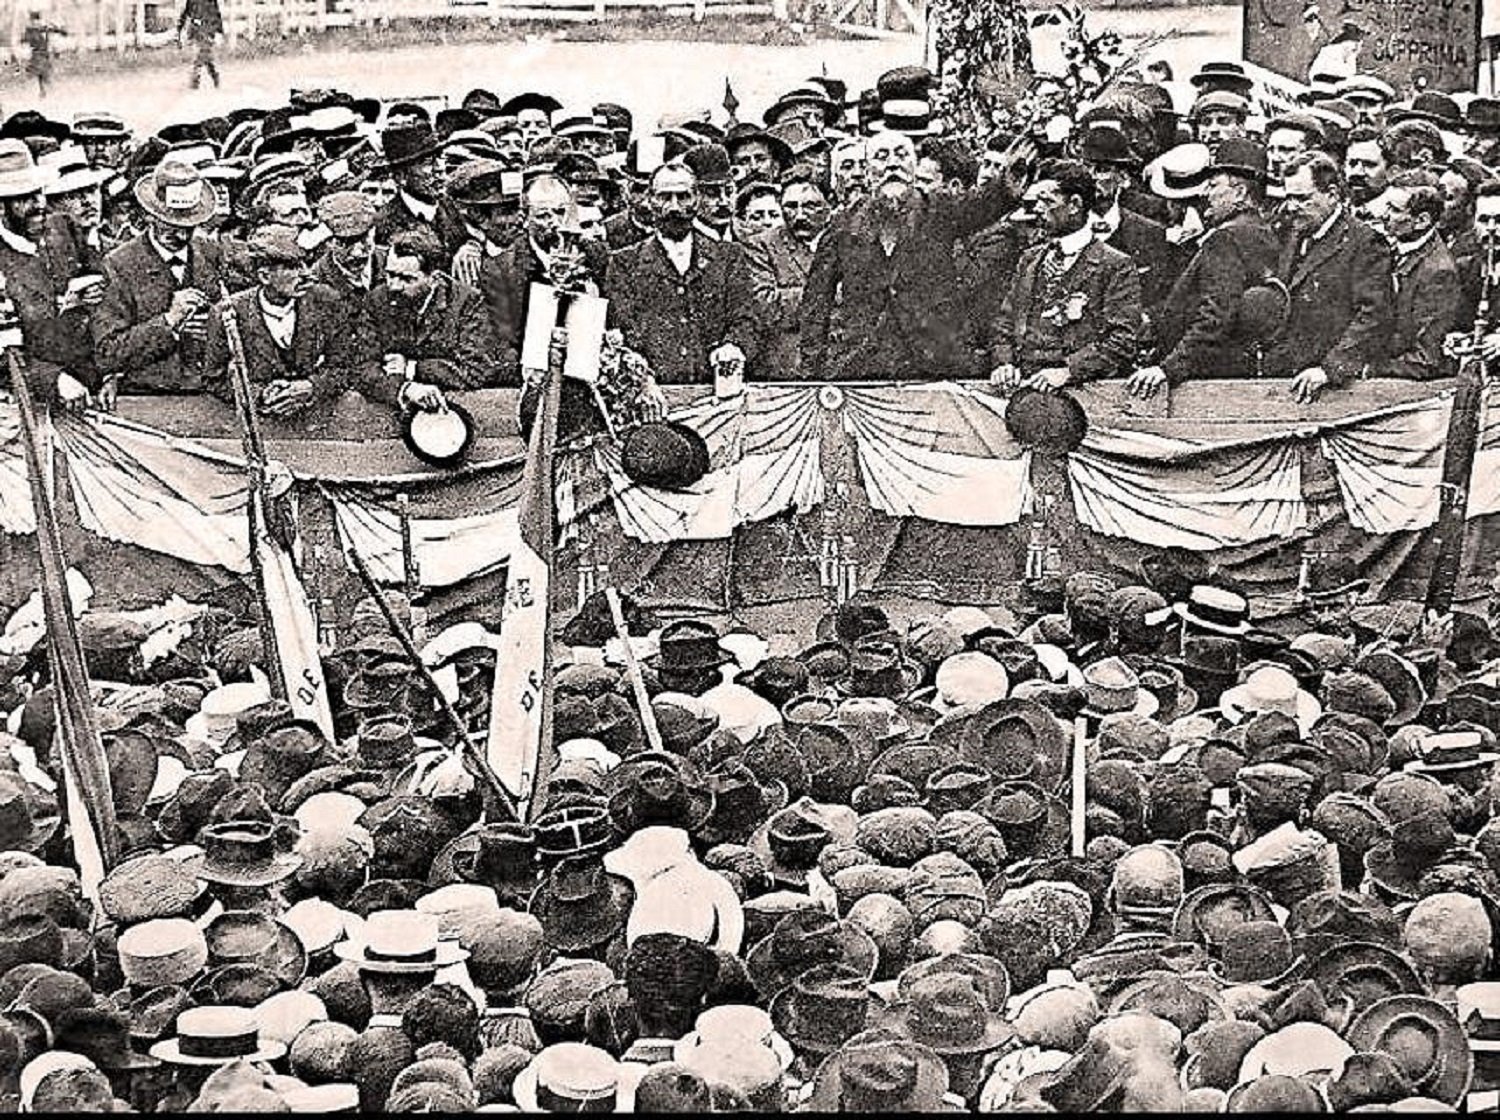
173, 192
285, 1015
970, 679
19, 174
319, 924
216, 1036
329, 809
337, 1096
216, 715
743, 713
36, 1071
1178, 172
1294, 1050
400, 941
569, 1077
162, 951
459, 908
1271, 689
70, 171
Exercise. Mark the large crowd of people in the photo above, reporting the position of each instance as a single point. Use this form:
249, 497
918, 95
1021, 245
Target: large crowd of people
1117, 849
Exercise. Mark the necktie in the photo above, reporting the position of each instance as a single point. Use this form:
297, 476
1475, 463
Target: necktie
1052, 265
179, 266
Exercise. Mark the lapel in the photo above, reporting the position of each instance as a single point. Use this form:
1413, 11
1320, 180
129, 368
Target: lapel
154, 270
431, 321
257, 336
1026, 282
1082, 264
1408, 264
797, 256
1332, 243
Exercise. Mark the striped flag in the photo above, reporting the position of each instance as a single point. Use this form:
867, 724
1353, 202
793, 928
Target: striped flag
88, 797
519, 744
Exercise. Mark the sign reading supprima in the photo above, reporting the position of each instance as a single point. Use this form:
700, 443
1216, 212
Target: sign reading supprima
1412, 44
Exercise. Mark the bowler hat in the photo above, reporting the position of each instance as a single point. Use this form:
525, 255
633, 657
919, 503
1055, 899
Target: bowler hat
406, 144
1050, 421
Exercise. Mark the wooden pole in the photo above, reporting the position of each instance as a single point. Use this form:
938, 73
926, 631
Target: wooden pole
398, 631
1080, 786
633, 671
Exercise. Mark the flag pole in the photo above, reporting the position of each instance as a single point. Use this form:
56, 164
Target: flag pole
409, 647
86, 769
633, 672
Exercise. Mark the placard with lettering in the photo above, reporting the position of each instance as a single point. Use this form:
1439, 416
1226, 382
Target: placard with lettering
1413, 44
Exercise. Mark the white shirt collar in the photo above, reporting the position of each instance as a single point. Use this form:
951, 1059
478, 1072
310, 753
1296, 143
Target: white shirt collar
17, 242
1074, 243
427, 211
1407, 248
281, 322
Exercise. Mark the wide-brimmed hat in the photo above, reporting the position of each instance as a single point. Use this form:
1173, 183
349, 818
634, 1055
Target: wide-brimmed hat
1112, 687
658, 790
802, 940
790, 842
1271, 689
1431, 106
1426, 1040
1052, 422
243, 854
879, 1070
822, 1006
947, 1012
249, 937
216, 1036
1447, 754
176, 193
401, 942
100, 1034
581, 905
1215, 609
1208, 914
1363, 973
570, 1077
665, 454
1018, 740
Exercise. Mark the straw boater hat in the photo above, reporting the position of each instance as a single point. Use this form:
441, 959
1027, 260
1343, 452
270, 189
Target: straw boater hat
176, 193
19, 174
217, 1036
400, 941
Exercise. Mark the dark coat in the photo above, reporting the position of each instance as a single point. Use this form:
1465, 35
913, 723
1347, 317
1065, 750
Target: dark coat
450, 341
779, 265
55, 343
1199, 333
131, 336
986, 264
330, 274
1101, 343
1428, 296
904, 312
622, 231
333, 346
505, 282
448, 224
676, 321
1157, 261
1343, 303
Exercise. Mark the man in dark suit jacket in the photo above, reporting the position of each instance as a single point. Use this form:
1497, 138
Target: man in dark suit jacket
779, 261
411, 159
160, 287
39, 261
350, 263
304, 345
1074, 309
683, 301
891, 257
544, 254
1199, 331
432, 331
1428, 293
1338, 271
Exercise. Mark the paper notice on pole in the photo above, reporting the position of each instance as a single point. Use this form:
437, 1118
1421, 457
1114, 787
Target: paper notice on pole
585, 323
584, 320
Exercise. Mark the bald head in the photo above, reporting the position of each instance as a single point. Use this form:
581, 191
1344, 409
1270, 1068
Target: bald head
549, 207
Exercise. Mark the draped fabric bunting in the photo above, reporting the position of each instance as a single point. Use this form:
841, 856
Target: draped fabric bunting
1389, 466
941, 453
764, 459
938, 452
1484, 482
1176, 492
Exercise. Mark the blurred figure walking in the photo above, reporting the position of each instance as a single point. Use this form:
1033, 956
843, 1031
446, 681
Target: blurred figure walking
201, 24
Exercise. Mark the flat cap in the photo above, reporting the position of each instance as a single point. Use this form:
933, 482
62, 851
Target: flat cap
347, 213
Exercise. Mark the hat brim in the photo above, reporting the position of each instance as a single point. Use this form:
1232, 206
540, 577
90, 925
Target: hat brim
187, 218
439, 439
448, 953
1455, 1064
1484, 758
275, 870
524, 1089
170, 1051
1309, 709
857, 950
1333, 969
1184, 611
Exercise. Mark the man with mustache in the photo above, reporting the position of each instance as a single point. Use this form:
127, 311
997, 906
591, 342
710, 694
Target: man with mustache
303, 343
44, 278
710, 166
1367, 174
779, 262
432, 331
543, 253
891, 259
683, 300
